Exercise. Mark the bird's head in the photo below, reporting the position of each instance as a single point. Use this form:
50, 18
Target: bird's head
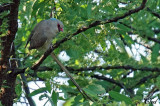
59, 24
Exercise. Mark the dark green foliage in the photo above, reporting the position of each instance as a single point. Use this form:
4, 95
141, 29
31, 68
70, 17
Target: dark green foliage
123, 53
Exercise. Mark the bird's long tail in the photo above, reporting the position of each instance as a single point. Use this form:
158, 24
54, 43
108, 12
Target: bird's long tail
69, 75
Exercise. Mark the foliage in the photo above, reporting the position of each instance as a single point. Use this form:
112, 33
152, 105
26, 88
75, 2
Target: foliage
115, 63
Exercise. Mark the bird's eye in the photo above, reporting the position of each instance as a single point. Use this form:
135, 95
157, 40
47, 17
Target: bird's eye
58, 25
59, 28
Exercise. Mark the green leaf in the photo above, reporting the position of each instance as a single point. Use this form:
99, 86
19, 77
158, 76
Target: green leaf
67, 89
78, 99
85, 103
155, 52
38, 7
49, 99
73, 53
120, 97
158, 82
69, 102
94, 90
38, 91
120, 44
54, 97
18, 90
144, 59
128, 39
42, 96
104, 84
89, 9
48, 86
103, 44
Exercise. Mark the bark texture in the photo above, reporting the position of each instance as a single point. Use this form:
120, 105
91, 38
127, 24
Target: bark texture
7, 77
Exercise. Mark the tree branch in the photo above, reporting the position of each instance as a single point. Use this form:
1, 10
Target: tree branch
107, 79
153, 39
17, 71
128, 13
148, 37
144, 45
144, 79
12, 29
126, 67
5, 7
121, 85
7, 95
150, 94
26, 89
94, 24
154, 13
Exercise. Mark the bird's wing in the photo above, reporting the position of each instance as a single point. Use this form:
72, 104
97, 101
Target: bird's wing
37, 37
37, 40
30, 36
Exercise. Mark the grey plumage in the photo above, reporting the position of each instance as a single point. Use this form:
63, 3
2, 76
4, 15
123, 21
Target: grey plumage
42, 35
41, 39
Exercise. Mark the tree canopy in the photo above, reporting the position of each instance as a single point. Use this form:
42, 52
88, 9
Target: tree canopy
111, 47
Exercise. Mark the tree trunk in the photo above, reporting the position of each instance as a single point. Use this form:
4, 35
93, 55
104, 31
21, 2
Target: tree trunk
7, 76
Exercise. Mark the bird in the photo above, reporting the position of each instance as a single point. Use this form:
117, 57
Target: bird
44, 32
41, 39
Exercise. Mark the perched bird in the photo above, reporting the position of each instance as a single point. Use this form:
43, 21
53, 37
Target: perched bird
42, 35
41, 38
